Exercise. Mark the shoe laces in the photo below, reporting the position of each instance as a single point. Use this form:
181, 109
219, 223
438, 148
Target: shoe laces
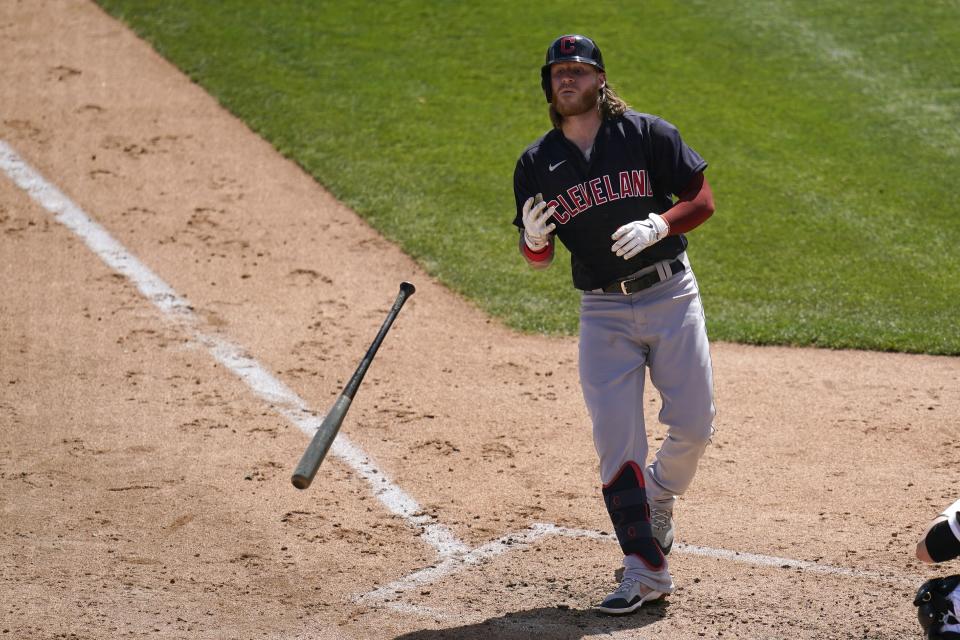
660, 518
626, 585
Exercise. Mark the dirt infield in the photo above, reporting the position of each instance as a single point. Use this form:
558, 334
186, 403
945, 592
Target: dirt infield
144, 481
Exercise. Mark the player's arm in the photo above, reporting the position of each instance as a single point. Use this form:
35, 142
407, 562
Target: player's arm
941, 541
533, 220
694, 205
680, 171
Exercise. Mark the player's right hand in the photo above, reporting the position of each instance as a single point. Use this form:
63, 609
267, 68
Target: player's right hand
536, 225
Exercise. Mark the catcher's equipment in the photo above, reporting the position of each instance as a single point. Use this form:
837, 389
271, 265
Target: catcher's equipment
942, 543
626, 500
938, 603
570, 48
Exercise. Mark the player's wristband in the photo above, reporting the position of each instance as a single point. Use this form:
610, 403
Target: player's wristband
535, 245
541, 255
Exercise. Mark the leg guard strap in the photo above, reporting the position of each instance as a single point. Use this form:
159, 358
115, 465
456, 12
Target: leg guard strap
626, 500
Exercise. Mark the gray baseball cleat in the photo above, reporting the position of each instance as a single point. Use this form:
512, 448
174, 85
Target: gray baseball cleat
661, 522
628, 597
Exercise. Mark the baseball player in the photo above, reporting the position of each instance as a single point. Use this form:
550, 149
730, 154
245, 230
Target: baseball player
938, 599
620, 189
938, 608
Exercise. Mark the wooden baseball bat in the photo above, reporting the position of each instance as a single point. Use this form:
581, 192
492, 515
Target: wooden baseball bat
323, 438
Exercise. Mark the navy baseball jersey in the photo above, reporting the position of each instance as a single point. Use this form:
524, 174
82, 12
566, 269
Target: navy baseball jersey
638, 163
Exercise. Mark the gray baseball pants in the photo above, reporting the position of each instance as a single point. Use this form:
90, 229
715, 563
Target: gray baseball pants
661, 329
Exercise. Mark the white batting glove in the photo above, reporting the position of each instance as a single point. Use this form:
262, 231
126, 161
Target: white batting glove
634, 237
536, 225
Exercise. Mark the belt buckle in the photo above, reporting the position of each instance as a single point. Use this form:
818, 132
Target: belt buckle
623, 287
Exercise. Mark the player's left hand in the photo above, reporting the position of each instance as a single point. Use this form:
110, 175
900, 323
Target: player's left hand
634, 237
536, 222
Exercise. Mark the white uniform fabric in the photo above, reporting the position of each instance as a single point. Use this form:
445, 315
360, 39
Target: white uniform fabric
950, 624
663, 329
952, 514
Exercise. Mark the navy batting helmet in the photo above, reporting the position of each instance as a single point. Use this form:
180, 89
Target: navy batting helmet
569, 48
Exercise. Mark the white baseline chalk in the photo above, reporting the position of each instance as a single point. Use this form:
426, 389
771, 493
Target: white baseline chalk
389, 595
279, 396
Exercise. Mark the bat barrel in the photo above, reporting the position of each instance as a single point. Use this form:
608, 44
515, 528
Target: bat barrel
320, 444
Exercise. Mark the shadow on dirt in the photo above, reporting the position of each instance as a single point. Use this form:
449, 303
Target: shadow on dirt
546, 623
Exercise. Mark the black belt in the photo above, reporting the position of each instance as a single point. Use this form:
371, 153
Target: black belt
632, 285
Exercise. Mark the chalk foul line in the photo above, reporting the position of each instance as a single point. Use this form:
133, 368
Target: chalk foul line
390, 595
265, 385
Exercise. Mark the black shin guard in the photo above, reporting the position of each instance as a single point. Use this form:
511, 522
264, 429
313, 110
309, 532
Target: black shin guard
626, 500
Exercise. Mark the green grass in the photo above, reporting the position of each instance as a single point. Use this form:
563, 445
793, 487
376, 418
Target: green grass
832, 130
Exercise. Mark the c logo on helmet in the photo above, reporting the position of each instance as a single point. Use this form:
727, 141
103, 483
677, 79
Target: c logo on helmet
568, 45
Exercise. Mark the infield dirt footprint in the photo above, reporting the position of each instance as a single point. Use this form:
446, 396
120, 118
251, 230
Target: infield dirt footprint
62, 72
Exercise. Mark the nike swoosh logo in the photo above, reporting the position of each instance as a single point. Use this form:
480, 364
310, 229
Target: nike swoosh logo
554, 166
